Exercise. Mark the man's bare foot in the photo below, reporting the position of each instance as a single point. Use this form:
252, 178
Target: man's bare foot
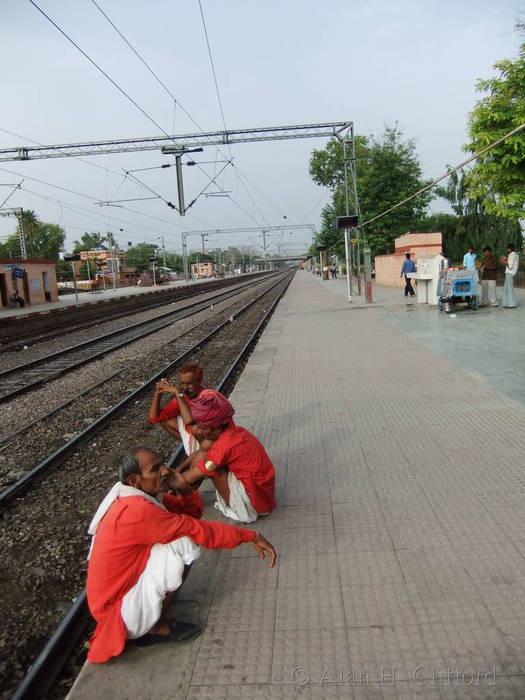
161, 627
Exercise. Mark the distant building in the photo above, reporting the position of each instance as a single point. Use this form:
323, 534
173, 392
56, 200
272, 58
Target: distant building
35, 281
104, 259
202, 270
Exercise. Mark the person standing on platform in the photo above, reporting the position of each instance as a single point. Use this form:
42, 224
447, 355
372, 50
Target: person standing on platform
469, 259
242, 472
511, 263
489, 270
334, 270
141, 553
408, 266
170, 416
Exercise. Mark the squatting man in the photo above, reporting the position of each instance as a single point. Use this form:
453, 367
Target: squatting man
241, 470
144, 543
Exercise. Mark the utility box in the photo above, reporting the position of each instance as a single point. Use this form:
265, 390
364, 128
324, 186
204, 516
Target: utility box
427, 277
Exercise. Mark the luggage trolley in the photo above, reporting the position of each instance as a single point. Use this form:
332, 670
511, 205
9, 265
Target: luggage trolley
457, 286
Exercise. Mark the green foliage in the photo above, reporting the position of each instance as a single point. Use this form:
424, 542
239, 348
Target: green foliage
471, 224
388, 171
11, 247
138, 256
42, 240
174, 262
83, 271
498, 178
64, 271
88, 241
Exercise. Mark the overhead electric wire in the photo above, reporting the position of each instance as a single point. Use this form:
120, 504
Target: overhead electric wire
449, 172
252, 200
123, 92
213, 70
113, 82
209, 183
159, 196
16, 187
100, 218
323, 196
243, 175
176, 101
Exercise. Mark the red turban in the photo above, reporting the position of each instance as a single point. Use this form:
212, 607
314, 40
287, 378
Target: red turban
211, 409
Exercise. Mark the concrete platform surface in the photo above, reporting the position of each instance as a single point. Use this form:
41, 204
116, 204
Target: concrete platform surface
488, 343
399, 528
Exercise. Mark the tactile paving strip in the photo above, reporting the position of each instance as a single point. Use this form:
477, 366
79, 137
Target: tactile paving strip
309, 608
233, 658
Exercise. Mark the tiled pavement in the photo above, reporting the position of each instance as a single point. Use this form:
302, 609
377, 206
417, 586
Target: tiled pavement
399, 527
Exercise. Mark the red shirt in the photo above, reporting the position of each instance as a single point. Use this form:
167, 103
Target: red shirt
121, 549
240, 451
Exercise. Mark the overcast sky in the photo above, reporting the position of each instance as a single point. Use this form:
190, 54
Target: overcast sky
373, 62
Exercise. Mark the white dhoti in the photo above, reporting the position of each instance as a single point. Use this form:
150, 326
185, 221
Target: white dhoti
240, 507
142, 604
191, 445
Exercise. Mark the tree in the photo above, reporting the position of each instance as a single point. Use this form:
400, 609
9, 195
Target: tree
89, 241
498, 178
388, 171
470, 224
174, 262
85, 273
138, 256
43, 240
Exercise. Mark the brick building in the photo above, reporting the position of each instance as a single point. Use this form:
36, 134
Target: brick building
422, 245
35, 280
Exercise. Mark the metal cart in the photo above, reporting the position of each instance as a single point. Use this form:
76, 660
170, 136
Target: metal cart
457, 286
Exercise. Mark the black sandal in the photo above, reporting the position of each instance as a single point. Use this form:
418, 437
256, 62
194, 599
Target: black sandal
179, 632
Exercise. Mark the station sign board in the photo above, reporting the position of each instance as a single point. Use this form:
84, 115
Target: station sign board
18, 272
346, 221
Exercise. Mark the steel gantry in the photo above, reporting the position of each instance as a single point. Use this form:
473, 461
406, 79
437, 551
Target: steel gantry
217, 231
181, 142
184, 143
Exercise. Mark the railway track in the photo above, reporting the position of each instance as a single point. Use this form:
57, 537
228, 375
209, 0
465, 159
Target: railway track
59, 647
16, 332
27, 376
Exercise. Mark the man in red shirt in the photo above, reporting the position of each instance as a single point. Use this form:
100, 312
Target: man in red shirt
140, 555
172, 416
242, 472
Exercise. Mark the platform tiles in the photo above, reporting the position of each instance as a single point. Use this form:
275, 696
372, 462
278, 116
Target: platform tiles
399, 529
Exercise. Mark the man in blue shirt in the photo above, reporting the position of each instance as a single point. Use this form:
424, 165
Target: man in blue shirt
408, 266
469, 259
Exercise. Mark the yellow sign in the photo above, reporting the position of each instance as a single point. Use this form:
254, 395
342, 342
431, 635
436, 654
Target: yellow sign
353, 241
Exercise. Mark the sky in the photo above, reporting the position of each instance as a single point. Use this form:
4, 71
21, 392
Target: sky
370, 62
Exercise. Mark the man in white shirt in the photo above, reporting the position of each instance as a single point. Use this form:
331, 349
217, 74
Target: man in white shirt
469, 259
511, 263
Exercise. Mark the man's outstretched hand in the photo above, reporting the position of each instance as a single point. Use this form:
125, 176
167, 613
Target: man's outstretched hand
263, 548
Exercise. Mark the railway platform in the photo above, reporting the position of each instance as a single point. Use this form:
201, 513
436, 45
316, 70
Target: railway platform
399, 526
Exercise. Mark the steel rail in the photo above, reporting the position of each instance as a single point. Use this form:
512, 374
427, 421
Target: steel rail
63, 452
48, 414
44, 416
150, 325
152, 300
53, 656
